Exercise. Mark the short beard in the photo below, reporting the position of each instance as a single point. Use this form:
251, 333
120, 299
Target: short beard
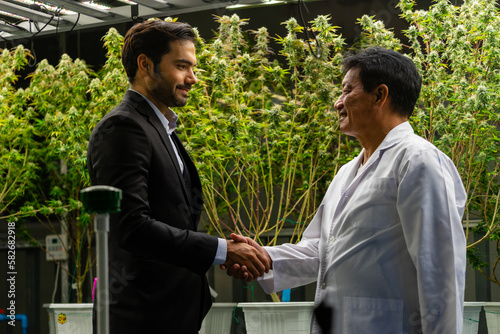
167, 97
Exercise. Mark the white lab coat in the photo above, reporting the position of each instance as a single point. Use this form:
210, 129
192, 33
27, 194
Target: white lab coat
386, 246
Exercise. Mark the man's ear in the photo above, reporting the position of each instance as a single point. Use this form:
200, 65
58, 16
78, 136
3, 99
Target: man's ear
144, 64
381, 94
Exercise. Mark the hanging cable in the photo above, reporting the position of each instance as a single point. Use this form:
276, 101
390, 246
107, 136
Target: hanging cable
14, 25
304, 24
57, 281
6, 40
40, 30
32, 61
58, 12
76, 22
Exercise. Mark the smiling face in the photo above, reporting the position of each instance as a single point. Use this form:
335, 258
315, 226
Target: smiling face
355, 106
170, 80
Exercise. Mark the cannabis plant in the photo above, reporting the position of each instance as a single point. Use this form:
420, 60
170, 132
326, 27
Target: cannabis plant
457, 49
17, 167
44, 137
263, 134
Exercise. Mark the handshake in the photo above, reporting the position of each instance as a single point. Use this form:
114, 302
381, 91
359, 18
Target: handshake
246, 259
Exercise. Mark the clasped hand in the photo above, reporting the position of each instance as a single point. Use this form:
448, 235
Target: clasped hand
246, 259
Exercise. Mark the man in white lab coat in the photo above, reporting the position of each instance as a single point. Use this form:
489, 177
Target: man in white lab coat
386, 246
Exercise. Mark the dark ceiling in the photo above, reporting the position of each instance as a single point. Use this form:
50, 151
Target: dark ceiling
24, 18
82, 38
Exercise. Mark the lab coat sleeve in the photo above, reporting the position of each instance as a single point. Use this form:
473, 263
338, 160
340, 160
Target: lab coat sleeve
431, 201
294, 264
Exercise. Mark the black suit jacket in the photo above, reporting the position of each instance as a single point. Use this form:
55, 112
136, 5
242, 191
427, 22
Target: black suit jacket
157, 259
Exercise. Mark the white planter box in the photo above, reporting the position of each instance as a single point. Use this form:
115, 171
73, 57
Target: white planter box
70, 318
77, 318
278, 318
218, 319
492, 312
471, 317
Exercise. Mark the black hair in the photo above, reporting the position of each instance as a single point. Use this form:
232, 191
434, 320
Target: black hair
384, 66
152, 38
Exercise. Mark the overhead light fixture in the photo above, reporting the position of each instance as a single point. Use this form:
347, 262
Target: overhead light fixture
26, 12
49, 7
155, 4
79, 7
128, 2
266, 3
260, 4
96, 5
14, 16
10, 28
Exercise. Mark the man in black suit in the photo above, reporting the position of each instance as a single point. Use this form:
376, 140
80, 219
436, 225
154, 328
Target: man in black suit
157, 259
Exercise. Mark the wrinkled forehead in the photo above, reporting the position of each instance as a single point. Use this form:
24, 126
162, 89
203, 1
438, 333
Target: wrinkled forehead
352, 77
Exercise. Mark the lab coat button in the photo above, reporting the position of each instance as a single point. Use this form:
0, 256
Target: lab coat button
323, 286
332, 239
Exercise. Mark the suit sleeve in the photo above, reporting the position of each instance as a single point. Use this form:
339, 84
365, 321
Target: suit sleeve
431, 201
121, 155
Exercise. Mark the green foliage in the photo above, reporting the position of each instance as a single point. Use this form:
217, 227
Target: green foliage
43, 142
17, 166
457, 50
263, 133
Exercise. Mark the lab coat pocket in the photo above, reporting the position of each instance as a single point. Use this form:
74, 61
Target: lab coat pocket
373, 204
372, 315
381, 190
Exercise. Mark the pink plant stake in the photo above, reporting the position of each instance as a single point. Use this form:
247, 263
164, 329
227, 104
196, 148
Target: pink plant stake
93, 289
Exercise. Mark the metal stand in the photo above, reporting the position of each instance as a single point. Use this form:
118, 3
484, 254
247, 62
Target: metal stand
102, 200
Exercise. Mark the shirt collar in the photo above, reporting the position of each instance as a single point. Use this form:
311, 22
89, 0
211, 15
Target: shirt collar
396, 135
169, 121
392, 138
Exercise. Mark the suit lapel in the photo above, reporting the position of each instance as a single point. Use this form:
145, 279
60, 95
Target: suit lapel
144, 108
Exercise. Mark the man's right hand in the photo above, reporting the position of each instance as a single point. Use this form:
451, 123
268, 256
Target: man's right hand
243, 254
245, 270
